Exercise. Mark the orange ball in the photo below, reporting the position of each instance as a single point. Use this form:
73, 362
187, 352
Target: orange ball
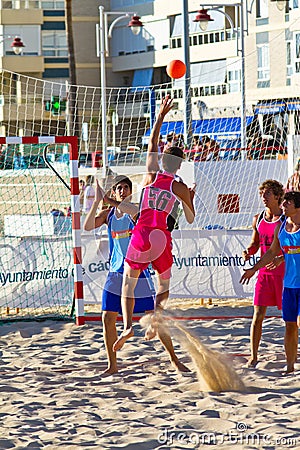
176, 68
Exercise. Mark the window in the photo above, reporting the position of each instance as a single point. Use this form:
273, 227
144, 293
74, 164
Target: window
30, 35
233, 77
262, 10
263, 60
263, 65
289, 56
19, 4
52, 4
118, 3
289, 65
54, 43
297, 52
207, 73
293, 4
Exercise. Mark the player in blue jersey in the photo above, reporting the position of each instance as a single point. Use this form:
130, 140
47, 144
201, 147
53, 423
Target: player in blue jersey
120, 226
286, 239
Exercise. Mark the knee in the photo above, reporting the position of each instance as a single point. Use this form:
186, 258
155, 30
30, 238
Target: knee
258, 316
162, 295
291, 328
128, 285
163, 287
108, 320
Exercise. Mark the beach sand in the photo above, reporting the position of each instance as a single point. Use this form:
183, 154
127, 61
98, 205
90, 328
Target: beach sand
52, 394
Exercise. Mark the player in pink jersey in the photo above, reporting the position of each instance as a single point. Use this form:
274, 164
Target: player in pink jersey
269, 283
287, 240
151, 241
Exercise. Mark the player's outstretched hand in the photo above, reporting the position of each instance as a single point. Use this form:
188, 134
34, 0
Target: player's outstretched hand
166, 106
247, 275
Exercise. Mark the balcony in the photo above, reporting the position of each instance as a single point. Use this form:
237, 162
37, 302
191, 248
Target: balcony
20, 4
23, 64
212, 37
21, 16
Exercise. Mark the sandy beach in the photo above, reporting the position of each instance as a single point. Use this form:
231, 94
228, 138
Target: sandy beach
53, 395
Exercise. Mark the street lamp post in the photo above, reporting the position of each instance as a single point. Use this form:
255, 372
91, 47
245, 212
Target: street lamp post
102, 35
203, 19
187, 116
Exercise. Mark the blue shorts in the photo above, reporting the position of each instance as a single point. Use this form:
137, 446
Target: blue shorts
290, 304
144, 293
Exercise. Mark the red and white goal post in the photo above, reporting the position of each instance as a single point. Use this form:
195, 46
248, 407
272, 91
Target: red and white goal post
75, 208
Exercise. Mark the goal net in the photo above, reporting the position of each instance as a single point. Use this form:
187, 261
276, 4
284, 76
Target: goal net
40, 264
35, 224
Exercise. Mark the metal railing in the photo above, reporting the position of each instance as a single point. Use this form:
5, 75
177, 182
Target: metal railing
211, 37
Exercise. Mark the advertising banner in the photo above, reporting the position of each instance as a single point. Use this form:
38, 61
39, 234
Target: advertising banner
207, 263
36, 271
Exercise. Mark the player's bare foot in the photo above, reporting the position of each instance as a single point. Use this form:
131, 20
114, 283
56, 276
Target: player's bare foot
124, 336
252, 363
180, 366
289, 369
109, 371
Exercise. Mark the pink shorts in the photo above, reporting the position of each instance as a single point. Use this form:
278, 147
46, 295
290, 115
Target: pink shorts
148, 245
268, 291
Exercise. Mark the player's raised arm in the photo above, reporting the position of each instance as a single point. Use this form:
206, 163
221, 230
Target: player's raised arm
125, 206
92, 220
152, 152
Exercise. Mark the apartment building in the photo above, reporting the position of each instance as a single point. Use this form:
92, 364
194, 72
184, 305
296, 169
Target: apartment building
41, 25
271, 32
271, 47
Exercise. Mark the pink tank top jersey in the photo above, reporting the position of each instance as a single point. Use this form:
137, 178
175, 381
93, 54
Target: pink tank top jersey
266, 233
157, 202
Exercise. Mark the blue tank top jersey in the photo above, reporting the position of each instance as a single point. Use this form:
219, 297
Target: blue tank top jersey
119, 233
290, 245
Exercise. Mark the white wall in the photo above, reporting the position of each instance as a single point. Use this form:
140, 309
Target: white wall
232, 177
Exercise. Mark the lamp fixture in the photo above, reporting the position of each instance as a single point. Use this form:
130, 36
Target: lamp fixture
17, 45
280, 4
135, 24
203, 18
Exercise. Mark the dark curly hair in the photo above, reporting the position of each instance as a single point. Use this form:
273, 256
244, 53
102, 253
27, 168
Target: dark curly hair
273, 185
